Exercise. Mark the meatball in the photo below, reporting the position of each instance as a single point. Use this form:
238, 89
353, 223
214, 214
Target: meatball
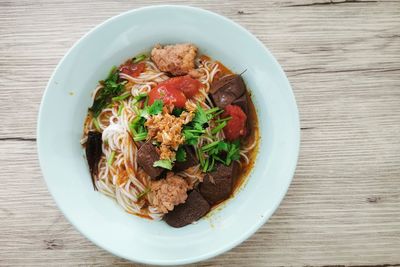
169, 192
176, 59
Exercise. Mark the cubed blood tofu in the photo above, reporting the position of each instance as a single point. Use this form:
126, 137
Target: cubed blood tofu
217, 185
227, 89
146, 156
192, 210
190, 160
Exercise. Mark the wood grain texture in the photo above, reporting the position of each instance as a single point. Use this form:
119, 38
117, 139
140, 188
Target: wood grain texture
343, 61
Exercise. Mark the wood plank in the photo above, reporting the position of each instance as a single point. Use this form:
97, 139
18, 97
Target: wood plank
343, 61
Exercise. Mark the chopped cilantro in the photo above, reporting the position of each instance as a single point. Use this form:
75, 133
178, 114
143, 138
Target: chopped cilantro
137, 128
233, 152
201, 116
222, 151
139, 97
111, 158
180, 154
163, 163
121, 106
96, 124
219, 127
192, 135
196, 128
140, 137
210, 146
156, 107
142, 194
121, 97
177, 111
138, 58
112, 88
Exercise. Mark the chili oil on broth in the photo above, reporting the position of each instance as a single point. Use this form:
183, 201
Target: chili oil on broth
123, 180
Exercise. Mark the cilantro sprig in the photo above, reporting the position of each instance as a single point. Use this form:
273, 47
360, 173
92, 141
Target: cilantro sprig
155, 108
217, 151
137, 127
221, 151
163, 163
181, 154
112, 88
196, 128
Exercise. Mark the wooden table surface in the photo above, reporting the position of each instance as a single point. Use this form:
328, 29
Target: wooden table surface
343, 61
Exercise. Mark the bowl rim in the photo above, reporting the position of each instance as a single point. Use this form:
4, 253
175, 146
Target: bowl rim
240, 237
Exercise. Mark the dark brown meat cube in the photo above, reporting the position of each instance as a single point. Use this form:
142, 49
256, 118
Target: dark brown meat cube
139, 143
147, 155
93, 154
217, 185
192, 210
190, 161
226, 90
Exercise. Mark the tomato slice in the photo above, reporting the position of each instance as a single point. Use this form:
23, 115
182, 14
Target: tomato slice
175, 91
186, 84
133, 69
236, 126
169, 96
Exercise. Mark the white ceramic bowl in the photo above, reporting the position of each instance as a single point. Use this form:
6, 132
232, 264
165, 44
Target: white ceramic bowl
68, 96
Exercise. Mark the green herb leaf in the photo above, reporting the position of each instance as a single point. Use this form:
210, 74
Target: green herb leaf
192, 135
233, 152
206, 163
211, 167
219, 127
138, 58
138, 98
209, 146
111, 73
163, 163
200, 116
121, 106
138, 129
96, 124
222, 151
212, 110
200, 156
224, 119
111, 89
121, 97
195, 129
111, 159
140, 137
142, 194
156, 107
180, 154
177, 111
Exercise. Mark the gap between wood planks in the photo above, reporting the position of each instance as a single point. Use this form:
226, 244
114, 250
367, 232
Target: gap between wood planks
17, 139
297, 72
373, 265
331, 2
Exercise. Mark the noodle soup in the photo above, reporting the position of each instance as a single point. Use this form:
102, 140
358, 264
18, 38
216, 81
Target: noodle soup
170, 135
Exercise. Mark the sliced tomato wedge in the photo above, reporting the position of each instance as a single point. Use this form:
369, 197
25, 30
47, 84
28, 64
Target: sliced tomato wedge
169, 96
133, 69
186, 84
236, 126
